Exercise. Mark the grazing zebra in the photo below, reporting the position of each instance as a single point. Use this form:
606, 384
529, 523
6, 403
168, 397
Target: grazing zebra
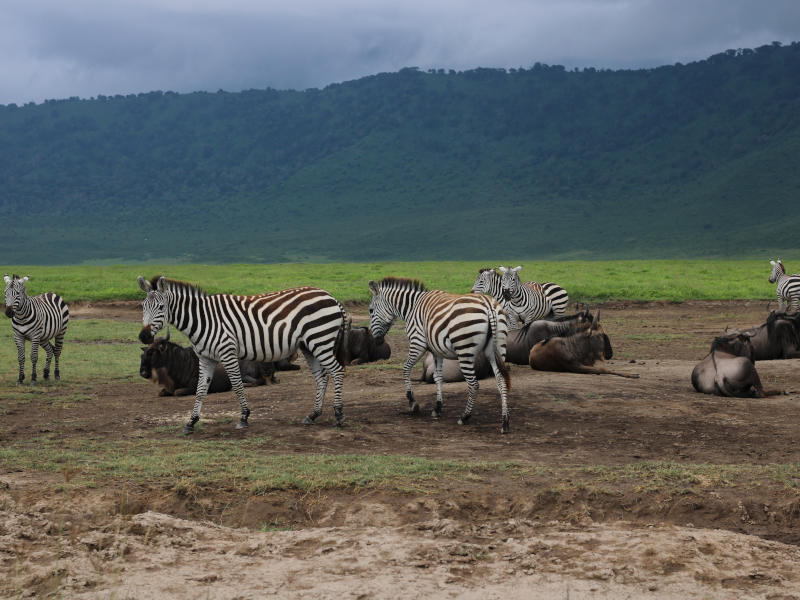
36, 319
450, 326
265, 327
788, 288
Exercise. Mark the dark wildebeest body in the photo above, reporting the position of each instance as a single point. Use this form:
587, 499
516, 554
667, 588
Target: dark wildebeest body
520, 342
576, 353
728, 369
778, 338
361, 347
177, 369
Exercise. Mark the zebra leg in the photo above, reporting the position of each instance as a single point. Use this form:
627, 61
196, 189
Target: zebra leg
231, 363
438, 361
34, 359
207, 366
501, 386
468, 370
20, 342
58, 345
321, 379
415, 352
48, 349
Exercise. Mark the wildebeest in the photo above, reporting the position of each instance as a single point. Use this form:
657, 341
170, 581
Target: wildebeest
520, 342
361, 347
728, 369
176, 369
451, 370
778, 338
575, 353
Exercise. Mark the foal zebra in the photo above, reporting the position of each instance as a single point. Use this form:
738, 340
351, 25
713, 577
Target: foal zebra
265, 327
788, 288
36, 319
450, 326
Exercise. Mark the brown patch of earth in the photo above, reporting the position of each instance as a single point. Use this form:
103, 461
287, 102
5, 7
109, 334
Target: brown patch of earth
535, 535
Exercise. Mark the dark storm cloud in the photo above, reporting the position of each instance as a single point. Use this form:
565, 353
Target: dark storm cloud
53, 49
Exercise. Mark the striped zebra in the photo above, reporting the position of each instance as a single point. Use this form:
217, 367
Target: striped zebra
788, 288
224, 328
450, 326
37, 319
531, 301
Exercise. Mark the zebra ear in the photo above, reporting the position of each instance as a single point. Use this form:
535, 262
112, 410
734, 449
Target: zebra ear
373, 287
7, 278
502, 269
515, 269
772, 262
144, 284
24, 279
160, 284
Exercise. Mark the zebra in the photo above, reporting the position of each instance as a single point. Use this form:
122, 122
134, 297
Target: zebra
37, 319
450, 326
265, 327
788, 288
552, 297
531, 301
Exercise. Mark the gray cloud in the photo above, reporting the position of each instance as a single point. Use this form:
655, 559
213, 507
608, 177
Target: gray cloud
53, 49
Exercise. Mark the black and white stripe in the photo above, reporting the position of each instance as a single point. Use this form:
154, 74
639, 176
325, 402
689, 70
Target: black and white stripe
38, 319
531, 301
788, 288
265, 327
450, 326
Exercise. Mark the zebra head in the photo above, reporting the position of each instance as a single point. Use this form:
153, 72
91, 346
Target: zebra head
15, 293
777, 270
486, 282
154, 309
382, 313
510, 282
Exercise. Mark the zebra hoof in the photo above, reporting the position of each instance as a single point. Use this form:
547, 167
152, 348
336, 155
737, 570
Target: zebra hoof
188, 429
463, 420
241, 425
435, 414
414, 409
504, 428
33, 383
309, 420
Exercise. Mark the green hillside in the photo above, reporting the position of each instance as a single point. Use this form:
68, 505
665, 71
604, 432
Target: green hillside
673, 162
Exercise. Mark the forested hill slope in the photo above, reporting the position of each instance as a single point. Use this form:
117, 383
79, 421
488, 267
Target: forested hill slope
677, 161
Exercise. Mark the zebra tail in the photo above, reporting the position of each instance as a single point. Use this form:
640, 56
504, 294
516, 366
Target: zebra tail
340, 346
501, 364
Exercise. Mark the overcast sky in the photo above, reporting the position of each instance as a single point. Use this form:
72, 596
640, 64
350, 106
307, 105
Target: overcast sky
58, 48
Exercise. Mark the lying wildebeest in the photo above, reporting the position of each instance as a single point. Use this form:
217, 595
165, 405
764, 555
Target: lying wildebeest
451, 371
177, 368
519, 346
361, 347
728, 369
520, 342
778, 338
575, 353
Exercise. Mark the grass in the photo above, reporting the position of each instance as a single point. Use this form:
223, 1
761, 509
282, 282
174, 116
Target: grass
668, 280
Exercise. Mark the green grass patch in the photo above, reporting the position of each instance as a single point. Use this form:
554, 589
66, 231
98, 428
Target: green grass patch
672, 280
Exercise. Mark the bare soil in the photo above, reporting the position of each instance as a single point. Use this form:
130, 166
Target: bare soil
496, 536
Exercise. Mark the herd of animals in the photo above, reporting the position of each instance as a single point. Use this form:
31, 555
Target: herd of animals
243, 340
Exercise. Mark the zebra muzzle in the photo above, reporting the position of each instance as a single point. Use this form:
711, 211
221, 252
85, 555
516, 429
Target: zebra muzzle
146, 335
9, 311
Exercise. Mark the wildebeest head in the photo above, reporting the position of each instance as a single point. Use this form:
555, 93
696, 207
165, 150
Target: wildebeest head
15, 293
599, 337
155, 356
738, 344
154, 308
777, 270
510, 281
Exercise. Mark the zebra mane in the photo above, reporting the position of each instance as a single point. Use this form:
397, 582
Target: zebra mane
178, 285
403, 282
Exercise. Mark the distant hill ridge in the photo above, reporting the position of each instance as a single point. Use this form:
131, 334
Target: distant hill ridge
677, 161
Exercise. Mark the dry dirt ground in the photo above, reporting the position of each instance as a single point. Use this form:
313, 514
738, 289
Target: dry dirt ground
493, 537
